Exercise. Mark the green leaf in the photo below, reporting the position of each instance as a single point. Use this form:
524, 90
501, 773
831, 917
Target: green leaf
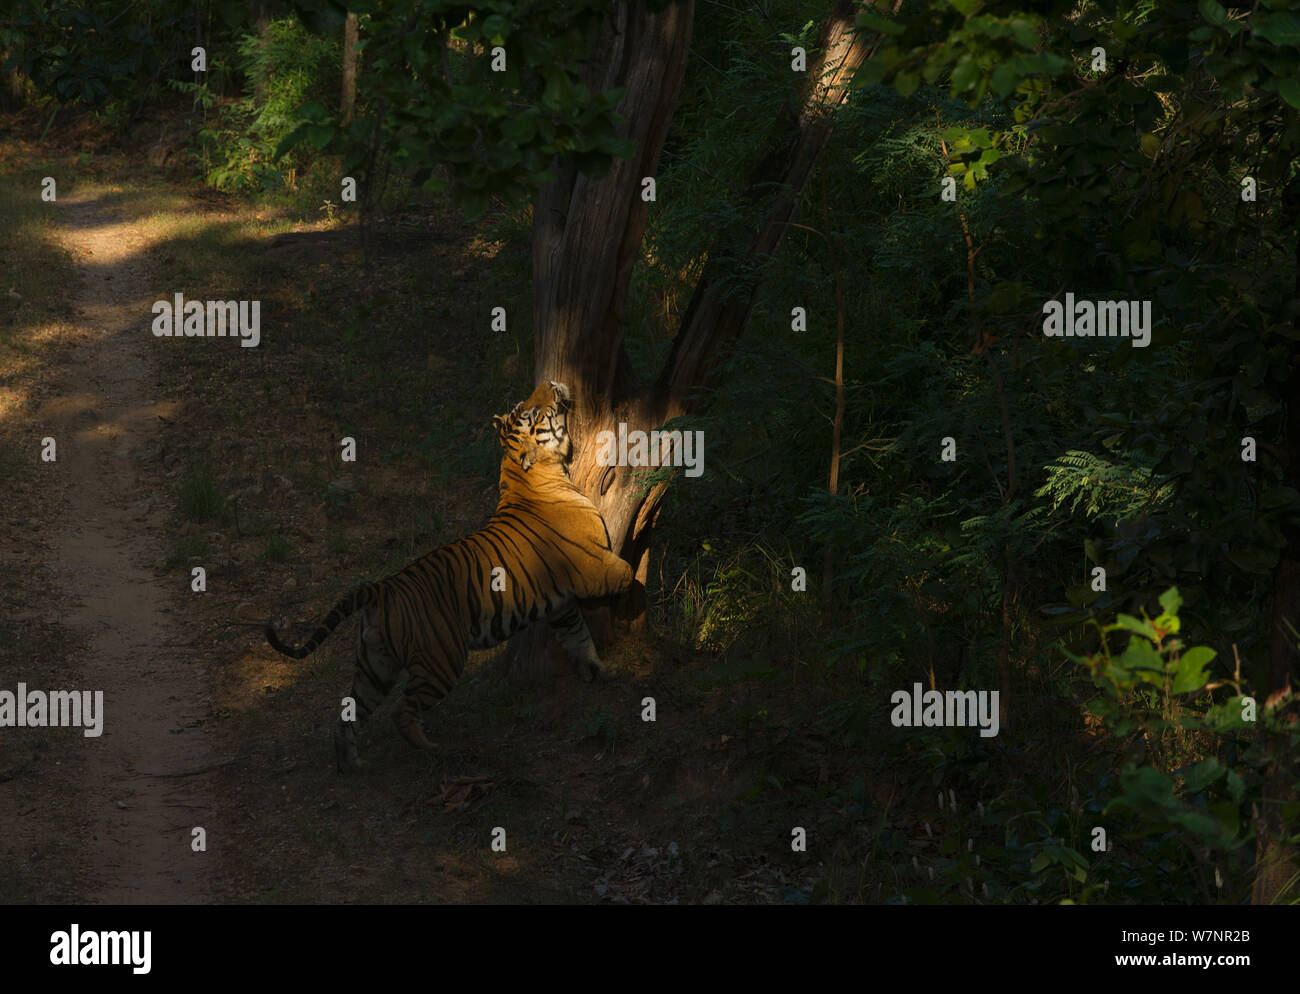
558, 92
1132, 624
906, 83
1141, 661
1004, 79
1025, 32
320, 134
1122, 30
1171, 600
519, 128
291, 139
1213, 12
871, 72
1280, 29
321, 17
870, 22
964, 74
1289, 90
1202, 824
1190, 674
1168, 623
1148, 788
1202, 775
1236, 787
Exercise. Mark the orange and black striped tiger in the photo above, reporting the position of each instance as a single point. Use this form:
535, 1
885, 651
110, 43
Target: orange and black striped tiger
551, 546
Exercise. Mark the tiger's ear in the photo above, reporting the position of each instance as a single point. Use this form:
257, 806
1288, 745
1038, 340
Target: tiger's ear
502, 424
562, 395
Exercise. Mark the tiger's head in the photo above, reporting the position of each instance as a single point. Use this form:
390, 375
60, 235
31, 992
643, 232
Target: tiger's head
537, 431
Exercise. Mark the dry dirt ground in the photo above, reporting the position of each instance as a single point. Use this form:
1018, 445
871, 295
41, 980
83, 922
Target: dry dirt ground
146, 781
205, 727
178, 454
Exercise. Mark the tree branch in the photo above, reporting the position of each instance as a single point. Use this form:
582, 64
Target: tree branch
712, 317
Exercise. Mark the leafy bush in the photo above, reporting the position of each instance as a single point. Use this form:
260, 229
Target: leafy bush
284, 67
1198, 766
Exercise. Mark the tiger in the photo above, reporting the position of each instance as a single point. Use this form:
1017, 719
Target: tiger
545, 534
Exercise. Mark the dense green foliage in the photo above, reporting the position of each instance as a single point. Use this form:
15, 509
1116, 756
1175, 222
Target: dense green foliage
1197, 763
284, 67
481, 99
1117, 183
115, 56
1100, 149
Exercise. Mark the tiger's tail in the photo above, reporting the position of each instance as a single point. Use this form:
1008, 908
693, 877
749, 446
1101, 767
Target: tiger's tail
354, 601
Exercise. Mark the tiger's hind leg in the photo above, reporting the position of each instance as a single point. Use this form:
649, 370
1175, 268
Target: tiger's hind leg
572, 633
376, 672
425, 686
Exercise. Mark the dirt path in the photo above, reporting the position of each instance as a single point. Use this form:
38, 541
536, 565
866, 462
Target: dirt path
142, 796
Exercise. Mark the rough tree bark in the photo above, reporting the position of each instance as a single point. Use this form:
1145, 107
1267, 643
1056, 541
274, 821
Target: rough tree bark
1277, 860
587, 236
348, 99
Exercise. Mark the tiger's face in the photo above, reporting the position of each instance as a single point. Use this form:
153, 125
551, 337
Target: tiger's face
537, 429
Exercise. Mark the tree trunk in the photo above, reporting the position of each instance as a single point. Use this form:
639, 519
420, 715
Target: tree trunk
1279, 861
261, 24
587, 236
349, 98
13, 86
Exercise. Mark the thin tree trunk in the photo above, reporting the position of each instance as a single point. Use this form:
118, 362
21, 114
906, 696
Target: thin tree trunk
837, 423
837, 429
262, 25
1278, 862
13, 86
349, 98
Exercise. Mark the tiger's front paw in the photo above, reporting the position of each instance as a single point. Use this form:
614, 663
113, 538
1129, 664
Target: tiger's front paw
619, 577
